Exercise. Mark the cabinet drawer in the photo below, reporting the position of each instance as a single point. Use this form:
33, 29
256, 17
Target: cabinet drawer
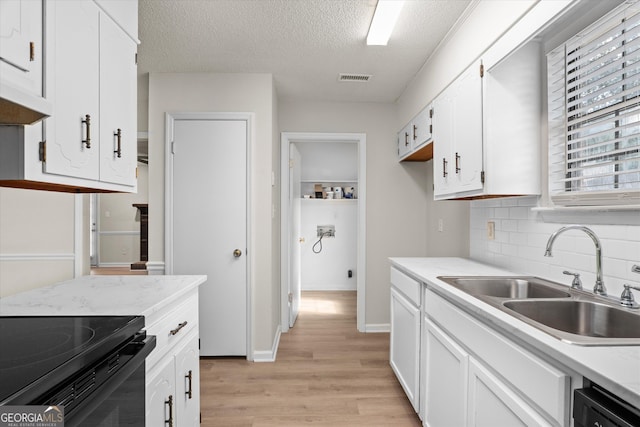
405, 284
545, 386
170, 329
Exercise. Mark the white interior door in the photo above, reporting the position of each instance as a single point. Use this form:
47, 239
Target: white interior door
210, 226
295, 282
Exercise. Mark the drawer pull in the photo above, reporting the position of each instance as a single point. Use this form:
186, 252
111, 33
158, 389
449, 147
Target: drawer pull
189, 377
180, 326
170, 403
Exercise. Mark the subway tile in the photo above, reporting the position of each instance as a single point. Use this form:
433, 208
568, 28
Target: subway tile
519, 213
509, 225
501, 213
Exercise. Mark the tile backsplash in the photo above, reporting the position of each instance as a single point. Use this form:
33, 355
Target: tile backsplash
521, 236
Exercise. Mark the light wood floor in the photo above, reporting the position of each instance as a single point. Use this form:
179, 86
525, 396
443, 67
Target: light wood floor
326, 374
116, 271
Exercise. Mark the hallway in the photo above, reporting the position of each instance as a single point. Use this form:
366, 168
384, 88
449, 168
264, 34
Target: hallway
326, 374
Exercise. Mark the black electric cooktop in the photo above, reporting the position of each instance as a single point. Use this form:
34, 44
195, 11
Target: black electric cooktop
37, 352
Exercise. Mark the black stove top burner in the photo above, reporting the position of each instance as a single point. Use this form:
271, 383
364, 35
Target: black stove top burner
35, 351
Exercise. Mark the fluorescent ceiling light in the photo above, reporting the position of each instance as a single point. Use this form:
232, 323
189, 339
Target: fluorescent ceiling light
384, 19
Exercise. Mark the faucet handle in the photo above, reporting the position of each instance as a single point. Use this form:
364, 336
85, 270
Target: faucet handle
626, 299
635, 268
576, 283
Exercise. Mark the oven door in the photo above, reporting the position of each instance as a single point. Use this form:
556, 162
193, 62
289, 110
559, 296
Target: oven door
118, 398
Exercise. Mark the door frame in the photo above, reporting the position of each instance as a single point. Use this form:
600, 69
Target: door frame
170, 118
286, 139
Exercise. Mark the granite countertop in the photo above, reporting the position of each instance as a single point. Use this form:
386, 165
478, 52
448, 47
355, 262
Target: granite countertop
101, 295
616, 368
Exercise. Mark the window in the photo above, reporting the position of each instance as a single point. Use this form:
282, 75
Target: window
594, 113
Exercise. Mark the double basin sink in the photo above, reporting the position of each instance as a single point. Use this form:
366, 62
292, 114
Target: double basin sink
573, 316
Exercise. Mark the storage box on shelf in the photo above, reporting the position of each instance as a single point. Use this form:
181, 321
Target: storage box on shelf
89, 143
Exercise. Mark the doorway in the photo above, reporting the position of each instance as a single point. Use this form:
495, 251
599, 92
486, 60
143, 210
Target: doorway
290, 208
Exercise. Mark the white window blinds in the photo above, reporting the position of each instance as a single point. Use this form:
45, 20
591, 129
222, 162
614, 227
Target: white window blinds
594, 113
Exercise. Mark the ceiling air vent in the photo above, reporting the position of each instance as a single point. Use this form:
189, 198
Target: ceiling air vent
343, 77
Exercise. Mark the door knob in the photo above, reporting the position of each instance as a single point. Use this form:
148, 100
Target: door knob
237, 253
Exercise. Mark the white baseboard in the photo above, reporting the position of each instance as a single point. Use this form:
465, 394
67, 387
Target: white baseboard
155, 268
269, 356
380, 327
114, 264
328, 287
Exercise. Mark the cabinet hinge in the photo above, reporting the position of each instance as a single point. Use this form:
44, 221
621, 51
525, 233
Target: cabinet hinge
290, 163
136, 172
42, 151
431, 113
482, 177
136, 59
430, 128
198, 343
290, 297
481, 69
173, 147
32, 51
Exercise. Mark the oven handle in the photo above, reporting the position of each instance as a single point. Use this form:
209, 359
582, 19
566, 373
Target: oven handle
143, 349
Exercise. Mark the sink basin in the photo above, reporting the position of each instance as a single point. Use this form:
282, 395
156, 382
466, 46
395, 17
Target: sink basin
580, 322
506, 287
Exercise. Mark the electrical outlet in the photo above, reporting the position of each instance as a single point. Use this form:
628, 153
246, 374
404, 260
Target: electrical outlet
491, 230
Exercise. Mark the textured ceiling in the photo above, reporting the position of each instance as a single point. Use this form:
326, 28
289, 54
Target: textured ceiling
305, 44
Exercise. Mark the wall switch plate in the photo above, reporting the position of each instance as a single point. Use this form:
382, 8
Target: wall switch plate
491, 230
440, 225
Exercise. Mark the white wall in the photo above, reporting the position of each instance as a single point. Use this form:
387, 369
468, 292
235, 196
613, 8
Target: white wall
37, 239
119, 223
328, 269
328, 161
397, 193
203, 92
521, 236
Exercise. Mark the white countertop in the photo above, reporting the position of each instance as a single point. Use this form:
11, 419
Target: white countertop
616, 368
101, 295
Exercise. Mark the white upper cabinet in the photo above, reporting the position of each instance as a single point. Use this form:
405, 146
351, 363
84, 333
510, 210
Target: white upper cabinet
89, 143
457, 122
414, 140
72, 133
21, 61
118, 136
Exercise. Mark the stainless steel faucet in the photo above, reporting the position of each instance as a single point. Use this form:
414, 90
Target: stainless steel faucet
599, 287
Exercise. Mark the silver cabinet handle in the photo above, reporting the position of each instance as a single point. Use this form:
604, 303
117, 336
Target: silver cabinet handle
118, 136
87, 123
189, 378
169, 402
180, 326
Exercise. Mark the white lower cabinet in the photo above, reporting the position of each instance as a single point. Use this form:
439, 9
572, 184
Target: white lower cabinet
492, 403
173, 368
404, 352
445, 373
474, 376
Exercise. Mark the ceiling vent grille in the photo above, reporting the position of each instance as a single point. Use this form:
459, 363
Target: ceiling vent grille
344, 77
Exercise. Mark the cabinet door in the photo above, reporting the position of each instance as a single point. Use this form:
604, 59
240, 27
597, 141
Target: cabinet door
188, 383
445, 379
467, 115
492, 403
443, 140
21, 44
404, 141
421, 128
160, 396
73, 85
118, 137
405, 345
